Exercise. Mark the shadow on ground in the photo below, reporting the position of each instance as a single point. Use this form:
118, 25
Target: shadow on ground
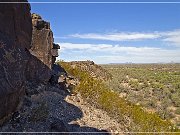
44, 108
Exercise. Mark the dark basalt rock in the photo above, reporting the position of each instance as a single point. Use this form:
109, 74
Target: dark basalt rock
42, 40
58, 126
15, 22
37, 71
15, 39
27, 53
43, 49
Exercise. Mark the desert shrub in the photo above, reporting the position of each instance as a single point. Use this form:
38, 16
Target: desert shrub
151, 104
178, 111
158, 81
97, 94
176, 99
164, 114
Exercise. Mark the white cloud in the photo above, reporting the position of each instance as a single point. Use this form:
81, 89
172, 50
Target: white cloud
105, 48
171, 33
171, 37
117, 36
74, 46
107, 53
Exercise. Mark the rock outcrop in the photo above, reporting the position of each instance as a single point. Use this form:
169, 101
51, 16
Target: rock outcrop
42, 40
15, 40
93, 69
43, 48
27, 53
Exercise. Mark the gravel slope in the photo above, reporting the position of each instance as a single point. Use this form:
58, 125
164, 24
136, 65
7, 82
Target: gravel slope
50, 109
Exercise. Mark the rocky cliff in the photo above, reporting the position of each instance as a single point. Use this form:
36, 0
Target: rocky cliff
15, 40
27, 53
43, 48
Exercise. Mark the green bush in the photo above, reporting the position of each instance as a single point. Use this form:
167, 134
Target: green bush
178, 111
176, 99
97, 94
156, 81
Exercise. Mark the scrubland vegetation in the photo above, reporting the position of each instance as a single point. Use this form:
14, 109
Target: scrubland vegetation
156, 87
131, 115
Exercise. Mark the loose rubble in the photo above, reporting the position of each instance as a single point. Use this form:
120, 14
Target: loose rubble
56, 110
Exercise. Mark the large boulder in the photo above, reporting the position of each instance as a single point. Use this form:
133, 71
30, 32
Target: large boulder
15, 40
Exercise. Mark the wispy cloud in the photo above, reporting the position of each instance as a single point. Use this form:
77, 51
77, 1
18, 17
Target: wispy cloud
171, 37
105, 48
107, 53
117, 36
121, 52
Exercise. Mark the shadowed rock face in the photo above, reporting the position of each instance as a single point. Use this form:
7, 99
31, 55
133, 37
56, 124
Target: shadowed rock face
27, 53
15, 22
42, 40
43, 48
15, 39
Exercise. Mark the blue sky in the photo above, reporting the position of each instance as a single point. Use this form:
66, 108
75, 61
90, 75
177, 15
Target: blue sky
114, 33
